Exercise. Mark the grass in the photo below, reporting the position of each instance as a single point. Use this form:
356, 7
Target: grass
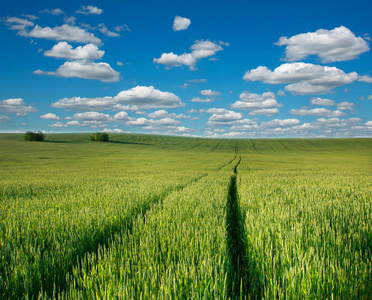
145, 216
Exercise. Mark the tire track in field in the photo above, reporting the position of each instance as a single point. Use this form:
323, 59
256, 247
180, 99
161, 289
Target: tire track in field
215, 147
195, 146
105, 235
238, 281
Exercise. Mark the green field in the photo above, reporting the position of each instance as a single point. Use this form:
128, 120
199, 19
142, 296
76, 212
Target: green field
158, 217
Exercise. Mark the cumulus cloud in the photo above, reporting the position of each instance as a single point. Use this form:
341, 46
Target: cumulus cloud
223, 117
323, 102
200, 100
339, 44
61, 33
264, 111
85, 69
345, 105
305, 79
252, 101
139, 97
209, 93
103, 29
365, 78
54, 12
146, 97
116, 130
154, 123
91, 116
49, 116
279, 122
64, 50
4, 119
181, 23
201, 49
89, 10
17, 106
122, 115
18, 23
320, 112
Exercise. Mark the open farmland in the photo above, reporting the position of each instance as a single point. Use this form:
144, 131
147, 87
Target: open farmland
157, 217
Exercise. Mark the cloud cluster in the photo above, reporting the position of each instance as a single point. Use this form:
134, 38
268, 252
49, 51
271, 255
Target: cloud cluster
64, 50
84, 69
201, 49
139, 97
304, 78
49, 116
264, 104
339, 44
209, 93
64, 32
320, 112
89, 10
181, 23
16, 106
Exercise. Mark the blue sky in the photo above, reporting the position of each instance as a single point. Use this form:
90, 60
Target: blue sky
196, 68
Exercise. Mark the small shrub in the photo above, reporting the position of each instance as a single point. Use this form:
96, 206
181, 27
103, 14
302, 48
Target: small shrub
99, 137
34, 136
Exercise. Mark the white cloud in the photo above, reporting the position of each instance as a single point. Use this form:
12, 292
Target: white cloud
223, 117
18, 23
305, 79
345, 106
160, 114
263, 111
17, 106
198, 99
91, 116
124, 27
181, 23
370, 97
171, 60
30, 17
201, 49
4, 119
365, 78
139, 97
54, 12
320, 112
64, 50
49, 116
70, 20
122, 115
103, 29
61, 33
279, 122
323, 102
116, 130
148, 98
89, 10
339, 44
153, 123
209, 93
369, 123
252, 101
57, 125
85, 69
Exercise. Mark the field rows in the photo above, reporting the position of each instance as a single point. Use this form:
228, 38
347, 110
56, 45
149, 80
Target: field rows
170, 218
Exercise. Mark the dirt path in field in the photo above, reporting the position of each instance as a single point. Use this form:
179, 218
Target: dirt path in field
238, 277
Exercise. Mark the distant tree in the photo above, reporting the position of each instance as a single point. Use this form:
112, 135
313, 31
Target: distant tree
34, 136
99, 137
